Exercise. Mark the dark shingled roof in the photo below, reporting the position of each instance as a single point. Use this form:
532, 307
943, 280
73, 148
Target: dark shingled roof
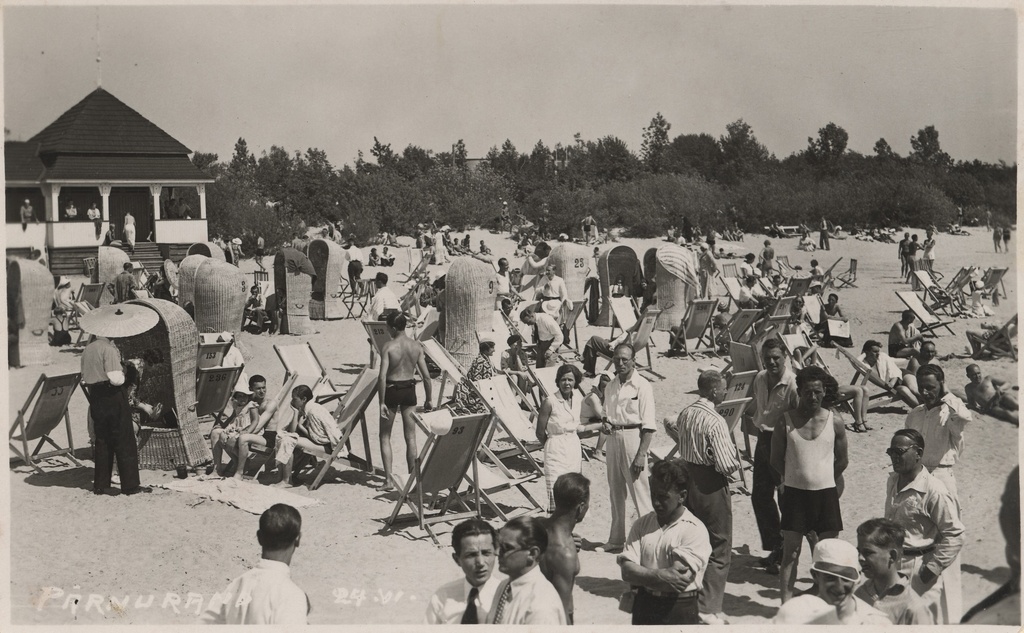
21, 163
78, 167
101, 124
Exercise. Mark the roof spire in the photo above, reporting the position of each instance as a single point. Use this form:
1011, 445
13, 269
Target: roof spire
99, 61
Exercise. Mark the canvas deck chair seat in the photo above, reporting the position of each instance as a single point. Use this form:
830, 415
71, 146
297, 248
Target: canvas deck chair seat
43, 411
214, 386
492, 480
447, 457
378, 334
864, 375
742, 358
350, 413
697, 324
827, 278
996, 344
641, 340
572, 318
624, 314
732, 289
935, 297
959, 280
992, 284
741, 326
929, 320
848, 278
426, 325
303, 363
785, 268
518, 426
91, 294
451, 371
212, 349
418, 271
798, 286
729, 271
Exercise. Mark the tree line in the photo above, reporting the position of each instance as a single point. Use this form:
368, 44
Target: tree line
715, 182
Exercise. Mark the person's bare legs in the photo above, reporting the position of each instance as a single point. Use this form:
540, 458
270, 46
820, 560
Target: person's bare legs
907, 396
792, 543
409, 429
906, 352
858, 394
385, 446
217, 444
244, 442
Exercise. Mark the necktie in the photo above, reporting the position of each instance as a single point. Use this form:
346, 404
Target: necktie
506, 595
470, 617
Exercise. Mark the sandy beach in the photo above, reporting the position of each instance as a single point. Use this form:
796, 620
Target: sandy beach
158, 558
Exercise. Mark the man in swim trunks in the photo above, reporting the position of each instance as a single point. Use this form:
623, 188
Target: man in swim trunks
986, 395
396, 390
904, 337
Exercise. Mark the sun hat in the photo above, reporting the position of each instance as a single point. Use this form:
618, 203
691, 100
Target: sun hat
237, 241
64, 281
836, 557
551, 306
120, 320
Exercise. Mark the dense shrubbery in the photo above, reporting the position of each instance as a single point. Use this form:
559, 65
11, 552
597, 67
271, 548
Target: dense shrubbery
713, 182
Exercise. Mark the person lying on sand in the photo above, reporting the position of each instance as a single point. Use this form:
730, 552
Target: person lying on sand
988, 395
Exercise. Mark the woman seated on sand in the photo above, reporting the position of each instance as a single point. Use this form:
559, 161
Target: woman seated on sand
806, 243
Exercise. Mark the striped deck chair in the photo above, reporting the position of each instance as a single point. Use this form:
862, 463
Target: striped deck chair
929, 320
732, 289
47, 410
729, 271
697, 323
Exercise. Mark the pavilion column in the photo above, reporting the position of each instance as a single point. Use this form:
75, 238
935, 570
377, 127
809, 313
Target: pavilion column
154, 191
52, 202
201, 189
105, 194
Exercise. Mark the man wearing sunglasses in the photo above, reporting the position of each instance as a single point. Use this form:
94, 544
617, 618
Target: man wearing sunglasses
919, 502
527, 597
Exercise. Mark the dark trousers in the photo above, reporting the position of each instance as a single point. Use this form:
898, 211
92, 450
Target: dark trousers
595, 346
650, 609
355, 272
762, 494
115, 437
99, 228
708, 499
542, 349
823, 241
592, 292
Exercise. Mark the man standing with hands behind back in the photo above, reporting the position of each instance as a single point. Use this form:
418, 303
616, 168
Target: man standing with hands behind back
629, 403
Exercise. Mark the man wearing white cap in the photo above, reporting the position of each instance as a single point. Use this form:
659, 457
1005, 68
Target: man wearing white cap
835, 569
236, 251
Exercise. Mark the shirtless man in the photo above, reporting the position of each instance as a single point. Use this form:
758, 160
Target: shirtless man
396, 390
927, 355
904, 337
262, 435
986, 394
560, 563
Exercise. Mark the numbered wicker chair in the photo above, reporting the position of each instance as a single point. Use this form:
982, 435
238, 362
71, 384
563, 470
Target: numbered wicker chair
209, 249
175, 439
187, 271
30, 285
571, 261
327, 258
678, 284
617, 268
293, 273
110, 263
468, 308
219, 297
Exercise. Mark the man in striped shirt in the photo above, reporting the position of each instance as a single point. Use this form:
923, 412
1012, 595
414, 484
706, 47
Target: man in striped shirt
710, 457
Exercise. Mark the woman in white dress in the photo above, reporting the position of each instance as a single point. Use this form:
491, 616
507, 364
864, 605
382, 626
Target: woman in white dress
557, 426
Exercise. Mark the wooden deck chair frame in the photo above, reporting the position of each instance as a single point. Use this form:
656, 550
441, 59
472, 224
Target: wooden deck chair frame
732, 289
313, 374
418, 271
826, 278
490, 482
82, 308
212, 354
351, 411
91, 293
798, 286
999, 343
863, 374
785, 268
698, 323
642, 340
742, 358
451, 371
440, 468
624, 315
993, 282
935, 297
729, 271
959, 280
273, 409
848, 278
502, 398
46, 413
782, 306
741, 325
379, 334
812, 308
929, 320
214, 386
570, 321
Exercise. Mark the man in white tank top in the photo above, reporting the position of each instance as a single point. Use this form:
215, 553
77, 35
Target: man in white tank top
809, 453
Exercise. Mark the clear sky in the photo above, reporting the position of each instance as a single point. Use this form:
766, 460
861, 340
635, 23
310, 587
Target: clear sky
333, 77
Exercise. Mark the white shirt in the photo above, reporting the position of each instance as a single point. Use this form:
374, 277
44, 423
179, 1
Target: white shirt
534, 601
262, 595
384, 299
631, 402
885, 368
448, 603
655, 547
943, 430
354, 254
547, 326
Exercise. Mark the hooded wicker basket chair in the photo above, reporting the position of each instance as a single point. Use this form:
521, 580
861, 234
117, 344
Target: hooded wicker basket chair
219, 297
110, 263
209, 249
468, 307
170, 381
571, 261
188, 269
617, 265
678, 285
293, 273
650, 263
34, 284
327, 258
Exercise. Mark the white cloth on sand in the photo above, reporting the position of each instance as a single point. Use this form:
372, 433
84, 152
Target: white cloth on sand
244, 495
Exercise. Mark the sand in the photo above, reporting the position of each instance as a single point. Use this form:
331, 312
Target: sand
158, 558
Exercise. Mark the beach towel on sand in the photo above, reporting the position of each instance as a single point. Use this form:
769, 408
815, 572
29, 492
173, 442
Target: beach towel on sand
244, 495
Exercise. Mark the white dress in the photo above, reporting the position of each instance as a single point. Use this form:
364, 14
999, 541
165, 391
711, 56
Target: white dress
562, 451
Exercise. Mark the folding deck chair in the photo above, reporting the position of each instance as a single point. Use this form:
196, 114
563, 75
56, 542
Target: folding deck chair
998, 343
865, 374
302, 362
951, 305
418, 271
848, 278
379, 335
623, 313
992, 283
642, 340
212, 349
798, 287
729, 271
451, 372
214, 386
742, 323
782, 306
742, 358
572, 318
826, 278
440, 468
785, 268
959, 280
929, 320
697, 323
91, 293
350, 411
518, 426
54, 394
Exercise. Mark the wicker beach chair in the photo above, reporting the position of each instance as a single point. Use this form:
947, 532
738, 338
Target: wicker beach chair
177, 440
33, 284
47, 410
209, 249
678, 284
293, 273
327, 258
188, 269
571, 262
469, 306
616, 268
219, 297
110, 262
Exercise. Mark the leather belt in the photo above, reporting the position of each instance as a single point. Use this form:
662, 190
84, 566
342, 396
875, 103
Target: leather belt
665, 594
914, 552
